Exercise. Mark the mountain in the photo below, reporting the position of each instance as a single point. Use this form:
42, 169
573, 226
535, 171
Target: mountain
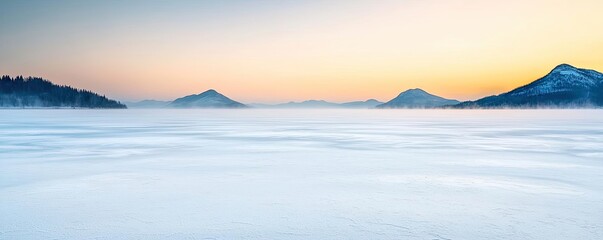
207, 99
33, 92
148, 104
564, 87
308, 104
417, 98
304, 104
260, 105
371, 103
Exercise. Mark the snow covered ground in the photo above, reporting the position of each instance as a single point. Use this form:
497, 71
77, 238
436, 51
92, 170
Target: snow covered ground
301, 174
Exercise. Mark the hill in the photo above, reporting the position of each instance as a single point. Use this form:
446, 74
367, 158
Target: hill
417, 98
208, 99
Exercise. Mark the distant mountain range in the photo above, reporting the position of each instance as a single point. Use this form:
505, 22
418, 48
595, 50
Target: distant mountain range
148, 104
417, 98
564, 87
35, 92
371, 103
208, 99
304, 104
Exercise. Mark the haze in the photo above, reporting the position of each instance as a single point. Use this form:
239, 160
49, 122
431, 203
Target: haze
274, 51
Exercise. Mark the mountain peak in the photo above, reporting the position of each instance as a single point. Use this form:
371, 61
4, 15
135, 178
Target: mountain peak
564, 87
417, 98
415, 90
314, 101
209, 92
564, 67
208, 99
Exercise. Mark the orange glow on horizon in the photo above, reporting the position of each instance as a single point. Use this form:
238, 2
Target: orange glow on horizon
335, 51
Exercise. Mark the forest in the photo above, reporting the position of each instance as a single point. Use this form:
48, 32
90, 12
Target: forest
34, 92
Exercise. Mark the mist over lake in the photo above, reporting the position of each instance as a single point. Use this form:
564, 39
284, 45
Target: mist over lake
301, 174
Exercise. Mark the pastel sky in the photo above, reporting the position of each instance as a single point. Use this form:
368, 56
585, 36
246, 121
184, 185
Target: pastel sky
291, 50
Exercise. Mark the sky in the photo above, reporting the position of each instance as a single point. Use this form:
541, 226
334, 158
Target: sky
284, 50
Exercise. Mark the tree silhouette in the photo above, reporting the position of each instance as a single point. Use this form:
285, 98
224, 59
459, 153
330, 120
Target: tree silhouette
37, 92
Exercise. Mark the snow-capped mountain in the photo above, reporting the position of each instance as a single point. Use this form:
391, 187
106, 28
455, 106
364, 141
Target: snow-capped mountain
564, 87
207, 99
417, 98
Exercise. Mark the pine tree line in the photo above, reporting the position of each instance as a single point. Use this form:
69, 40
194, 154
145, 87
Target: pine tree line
37, 92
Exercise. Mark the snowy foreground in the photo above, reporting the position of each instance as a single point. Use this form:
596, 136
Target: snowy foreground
301, 174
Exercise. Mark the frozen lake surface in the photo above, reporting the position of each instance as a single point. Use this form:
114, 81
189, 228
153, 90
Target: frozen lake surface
301, 174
